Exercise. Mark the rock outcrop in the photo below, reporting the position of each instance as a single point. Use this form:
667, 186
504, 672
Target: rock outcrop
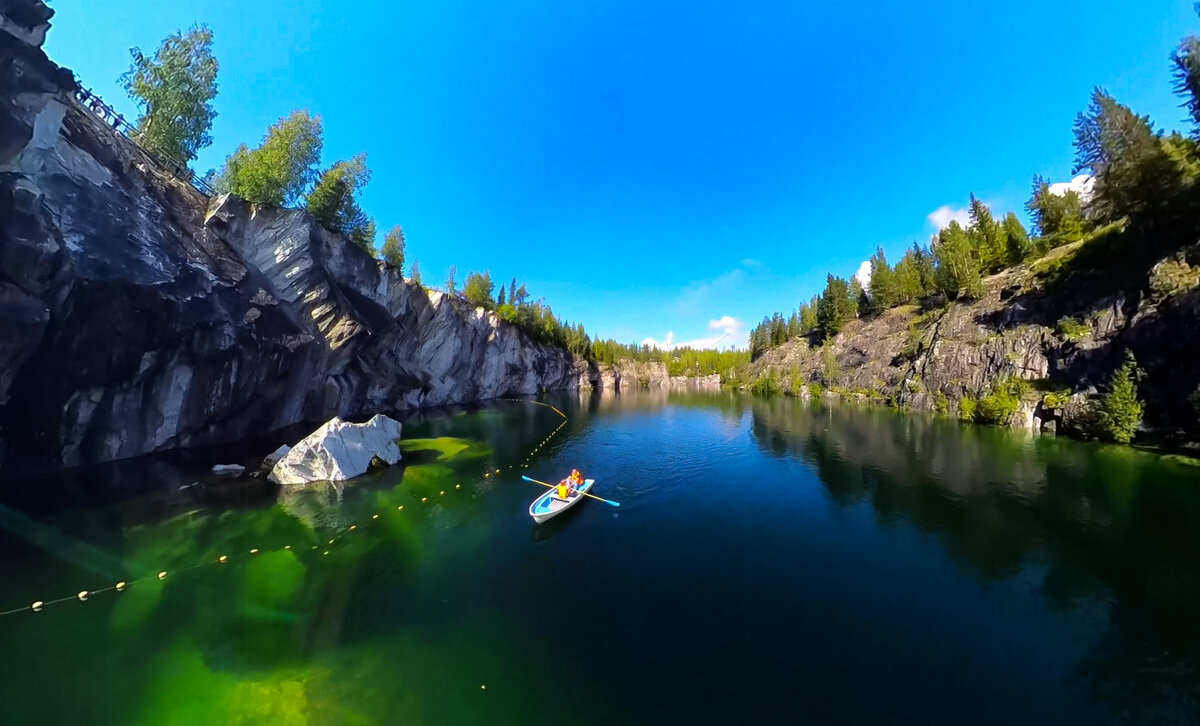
1065, 339
338, 451
138, 315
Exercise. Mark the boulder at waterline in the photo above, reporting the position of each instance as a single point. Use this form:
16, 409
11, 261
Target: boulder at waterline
339, 450
275, 457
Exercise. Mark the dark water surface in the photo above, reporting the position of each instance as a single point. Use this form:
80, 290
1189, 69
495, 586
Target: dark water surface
770, 562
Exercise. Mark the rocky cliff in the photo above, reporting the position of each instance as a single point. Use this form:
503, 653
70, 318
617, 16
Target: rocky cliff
1062, 332
137, 314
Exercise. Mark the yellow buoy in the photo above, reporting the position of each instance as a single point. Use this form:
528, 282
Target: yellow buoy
442, 493
82, 595
254, 551
353, 527
121, 585
287, 547
162, 575
399, 507
222, 558
458, 486
37, 605
374, 516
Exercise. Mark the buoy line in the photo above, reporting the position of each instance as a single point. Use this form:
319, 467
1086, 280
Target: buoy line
123, 585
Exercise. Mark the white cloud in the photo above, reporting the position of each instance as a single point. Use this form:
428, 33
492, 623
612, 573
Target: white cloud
864, 274
732, 335
941, 217
665, 344
1082, 185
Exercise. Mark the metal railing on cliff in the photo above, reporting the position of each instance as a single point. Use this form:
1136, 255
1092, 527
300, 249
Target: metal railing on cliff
90, 101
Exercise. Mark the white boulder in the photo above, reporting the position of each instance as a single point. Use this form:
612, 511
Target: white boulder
275, 457
228, 469
339, 450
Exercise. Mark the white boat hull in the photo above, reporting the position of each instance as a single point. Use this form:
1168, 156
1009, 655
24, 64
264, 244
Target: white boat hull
550, 505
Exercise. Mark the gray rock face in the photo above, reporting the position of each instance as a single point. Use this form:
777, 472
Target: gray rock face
919, 359
338, 451
137, 315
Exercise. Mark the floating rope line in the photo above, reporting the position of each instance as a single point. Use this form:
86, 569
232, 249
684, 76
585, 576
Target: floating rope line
123, 585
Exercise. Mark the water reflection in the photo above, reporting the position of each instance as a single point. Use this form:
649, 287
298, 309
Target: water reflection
1109, 531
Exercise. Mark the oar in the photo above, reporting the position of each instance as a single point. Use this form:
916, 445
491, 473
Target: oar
586, 494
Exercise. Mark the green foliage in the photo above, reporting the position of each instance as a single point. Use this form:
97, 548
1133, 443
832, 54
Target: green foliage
835, 307
913, 342
830, 372
451, 283
966, 408
1117, 414
174, 90
1072, 329
283, 166
334, 200
808, 316
393, 248
767, 383
1058, 219
957, 272
1001, 402
814, 390
1056, 399
1017, 245
478, 289
885, 287
1186, 71
986, 237
415, 273
940, 404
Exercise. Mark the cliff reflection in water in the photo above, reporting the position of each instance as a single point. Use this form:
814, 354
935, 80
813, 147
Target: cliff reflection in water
1109, 531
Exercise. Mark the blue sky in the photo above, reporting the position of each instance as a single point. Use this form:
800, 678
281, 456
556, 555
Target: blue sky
661, 166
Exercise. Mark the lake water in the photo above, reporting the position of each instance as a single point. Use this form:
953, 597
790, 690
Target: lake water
770, 562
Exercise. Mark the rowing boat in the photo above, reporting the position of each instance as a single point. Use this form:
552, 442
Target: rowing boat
550, 504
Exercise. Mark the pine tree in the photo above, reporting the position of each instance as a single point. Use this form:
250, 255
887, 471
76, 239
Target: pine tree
1017, 245
500, 297
393, 248
884, 285
415, 274
450, 282
957, 267
834, 307
987, 238
808, 316
334, 199
1186, 60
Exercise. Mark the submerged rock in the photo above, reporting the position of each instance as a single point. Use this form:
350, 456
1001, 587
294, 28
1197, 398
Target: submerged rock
339, 450
228, 469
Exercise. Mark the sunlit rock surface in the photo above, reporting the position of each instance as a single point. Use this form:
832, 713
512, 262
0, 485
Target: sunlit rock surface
339, 450
138, 315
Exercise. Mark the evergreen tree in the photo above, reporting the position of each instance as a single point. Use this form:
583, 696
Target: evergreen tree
926, 268
884, 285
415, 274
834, 307
282, 167
175, 90
907, 278
793, 325
1057, 218
363, 235
1017, 245
1133, 172
1186, 60
808, 316
334, 199
393, 248
1118, 413
500, 297
450, 282
957, 268
987, 237
478, 289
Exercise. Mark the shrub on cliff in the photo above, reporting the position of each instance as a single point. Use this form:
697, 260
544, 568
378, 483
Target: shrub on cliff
1001, 402
175, 89
281, 168
1116, 415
